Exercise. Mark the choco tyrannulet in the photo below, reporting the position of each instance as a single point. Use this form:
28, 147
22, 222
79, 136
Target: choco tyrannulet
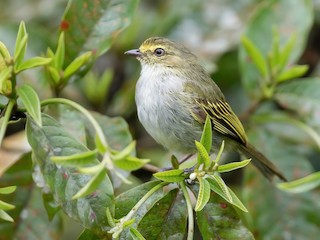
174, 95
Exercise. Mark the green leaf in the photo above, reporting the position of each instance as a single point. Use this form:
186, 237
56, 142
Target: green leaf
301, 95
286, 51
4, 75
76, 64
5, 216
293, 72
54, 74
136, 235
126, 152
203, 155
223, 187
206, 137
255, 55
31, 102
52, 139
92, 185
88, 235
260, 29
92, 28
6, 206
218, 220
130, 163
21, 44
301, 185
32, 63
233, 166
203, 195
175, 175
4, 51
215, 187
166, 219
75, 160
7, 190
58, 59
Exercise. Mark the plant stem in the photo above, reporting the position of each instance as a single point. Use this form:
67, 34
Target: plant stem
190, 211
251, 110
5, 119
81, 109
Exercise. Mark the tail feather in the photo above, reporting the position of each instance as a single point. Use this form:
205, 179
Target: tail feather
267, 168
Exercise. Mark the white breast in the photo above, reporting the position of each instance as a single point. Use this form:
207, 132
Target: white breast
160, 108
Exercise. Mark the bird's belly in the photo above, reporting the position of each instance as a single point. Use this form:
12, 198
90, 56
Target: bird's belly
169, 123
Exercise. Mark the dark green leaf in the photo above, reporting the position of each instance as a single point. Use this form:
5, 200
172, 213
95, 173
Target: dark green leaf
91, 25
219, 220
88, 235
301, 95
175, 175
53, 140
166, 219
31, 102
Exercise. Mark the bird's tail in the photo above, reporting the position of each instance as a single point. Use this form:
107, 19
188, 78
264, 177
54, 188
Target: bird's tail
267, 168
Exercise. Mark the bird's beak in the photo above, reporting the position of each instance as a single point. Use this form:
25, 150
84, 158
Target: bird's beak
134, 52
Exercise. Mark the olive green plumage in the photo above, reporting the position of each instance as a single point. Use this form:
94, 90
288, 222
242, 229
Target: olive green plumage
174, 95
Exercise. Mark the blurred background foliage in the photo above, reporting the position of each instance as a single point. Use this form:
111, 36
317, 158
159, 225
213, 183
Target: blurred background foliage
212, 30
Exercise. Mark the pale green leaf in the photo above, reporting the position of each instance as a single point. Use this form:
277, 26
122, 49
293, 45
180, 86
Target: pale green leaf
78, 159
5, 216
32, 63
58, 59
6, 206
293, 72
255, 55
76, 64
130, 163
8, 190
31, 102
92, 185
301, 185
233, 166
175, 175
203, 195
4, 51
203, 156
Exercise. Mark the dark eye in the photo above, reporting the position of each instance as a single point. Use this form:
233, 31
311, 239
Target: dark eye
159, 52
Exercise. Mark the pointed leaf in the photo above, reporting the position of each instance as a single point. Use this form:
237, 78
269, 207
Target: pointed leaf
5, 216
32, 63
136, 235
293, 72
21, 44
125, 152
76, 64
58, 59
175, 175
4, 51
203, 156
255, 55
222, 186
31, 102
130, 163
301, 185
77, 159
203, 195
233, 166
206, 137
8, 190
4, 75
215, 187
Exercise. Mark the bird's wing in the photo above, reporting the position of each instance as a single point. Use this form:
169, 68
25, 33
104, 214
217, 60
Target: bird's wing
223, 118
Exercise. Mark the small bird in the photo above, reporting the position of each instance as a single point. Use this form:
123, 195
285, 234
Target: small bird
174, 95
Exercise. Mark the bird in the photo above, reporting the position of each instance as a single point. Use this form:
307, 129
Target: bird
174, 95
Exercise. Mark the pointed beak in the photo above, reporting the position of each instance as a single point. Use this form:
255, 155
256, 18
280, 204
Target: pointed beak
134, 52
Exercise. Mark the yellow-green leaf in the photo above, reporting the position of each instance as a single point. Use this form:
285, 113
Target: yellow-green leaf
203, 195
175, 175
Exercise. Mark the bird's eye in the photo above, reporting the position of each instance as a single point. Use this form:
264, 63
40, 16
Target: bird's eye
159, 52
